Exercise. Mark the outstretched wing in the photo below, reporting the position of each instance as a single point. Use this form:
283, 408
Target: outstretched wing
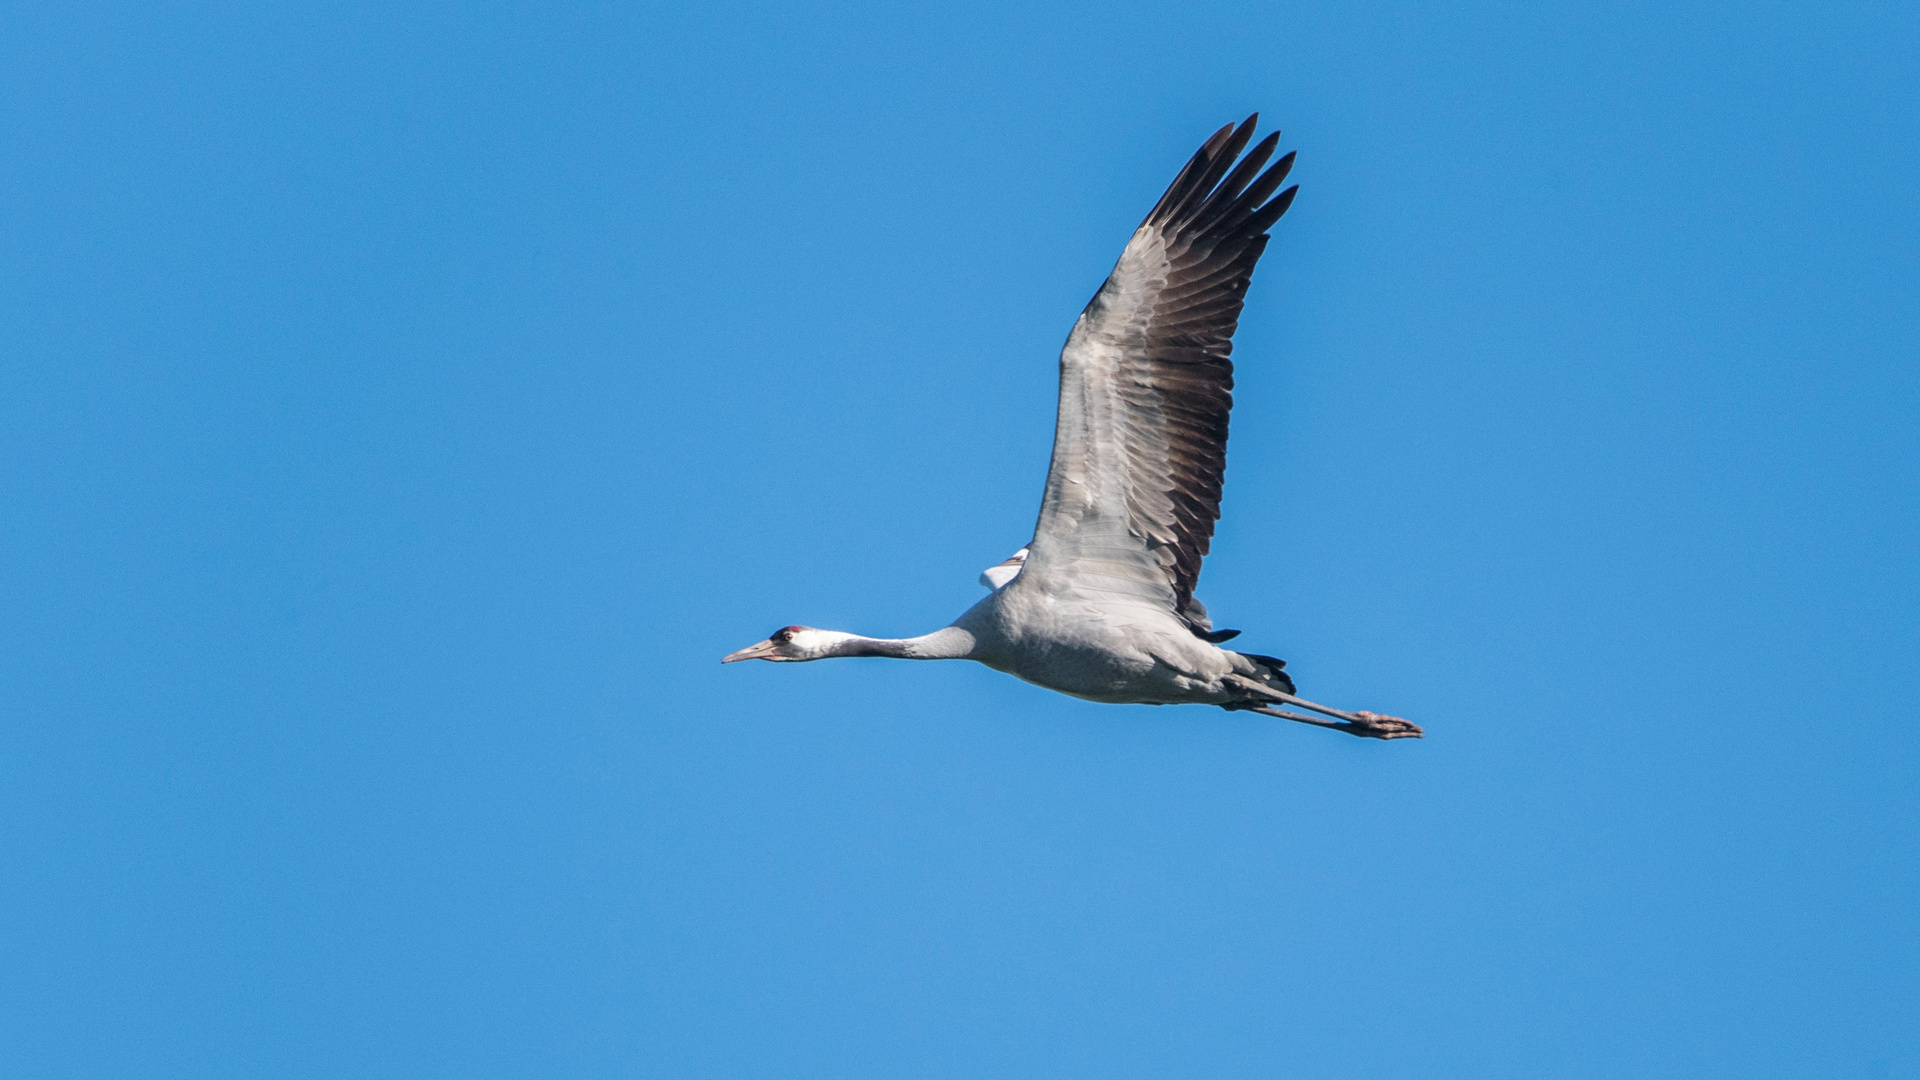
1145, 386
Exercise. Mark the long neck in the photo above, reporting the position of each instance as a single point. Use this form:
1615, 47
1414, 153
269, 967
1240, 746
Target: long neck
951, 643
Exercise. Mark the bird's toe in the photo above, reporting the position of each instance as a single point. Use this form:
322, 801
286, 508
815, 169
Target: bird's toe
1371, 725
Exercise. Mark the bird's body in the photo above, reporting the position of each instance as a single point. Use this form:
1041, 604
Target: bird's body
1121, 654
1100, 604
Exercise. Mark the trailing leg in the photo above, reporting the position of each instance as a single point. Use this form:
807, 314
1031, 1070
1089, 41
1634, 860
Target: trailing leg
1366, 725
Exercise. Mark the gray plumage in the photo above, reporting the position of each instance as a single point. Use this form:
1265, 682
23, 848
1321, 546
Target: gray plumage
1100, 604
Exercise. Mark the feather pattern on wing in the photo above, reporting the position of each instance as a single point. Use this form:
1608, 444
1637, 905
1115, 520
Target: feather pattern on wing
1146, 384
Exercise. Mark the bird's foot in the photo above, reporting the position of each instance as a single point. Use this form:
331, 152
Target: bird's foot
1371, 725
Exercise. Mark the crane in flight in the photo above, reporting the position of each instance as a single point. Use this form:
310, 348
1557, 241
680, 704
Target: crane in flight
1100, 603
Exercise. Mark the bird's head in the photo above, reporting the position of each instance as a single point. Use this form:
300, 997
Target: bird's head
791, 643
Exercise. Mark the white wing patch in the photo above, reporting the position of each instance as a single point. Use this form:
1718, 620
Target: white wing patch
996, 577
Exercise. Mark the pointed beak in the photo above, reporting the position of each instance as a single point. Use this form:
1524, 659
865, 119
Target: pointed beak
762, 651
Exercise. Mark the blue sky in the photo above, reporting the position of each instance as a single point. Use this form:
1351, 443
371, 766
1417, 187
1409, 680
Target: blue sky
405, 406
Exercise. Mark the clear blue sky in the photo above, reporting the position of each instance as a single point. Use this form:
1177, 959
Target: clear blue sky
405, 406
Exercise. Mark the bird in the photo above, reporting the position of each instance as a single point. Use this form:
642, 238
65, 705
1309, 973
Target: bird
1100, 603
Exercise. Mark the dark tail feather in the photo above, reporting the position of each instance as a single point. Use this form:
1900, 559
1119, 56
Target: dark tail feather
1272, 671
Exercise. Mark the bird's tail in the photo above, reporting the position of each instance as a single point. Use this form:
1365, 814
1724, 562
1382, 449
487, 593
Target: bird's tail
1270, 671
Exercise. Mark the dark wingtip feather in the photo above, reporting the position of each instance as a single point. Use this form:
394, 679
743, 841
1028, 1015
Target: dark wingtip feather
1221, 154
1284, 166
1262, 219
1282, 201
1183, 184
1226, 197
